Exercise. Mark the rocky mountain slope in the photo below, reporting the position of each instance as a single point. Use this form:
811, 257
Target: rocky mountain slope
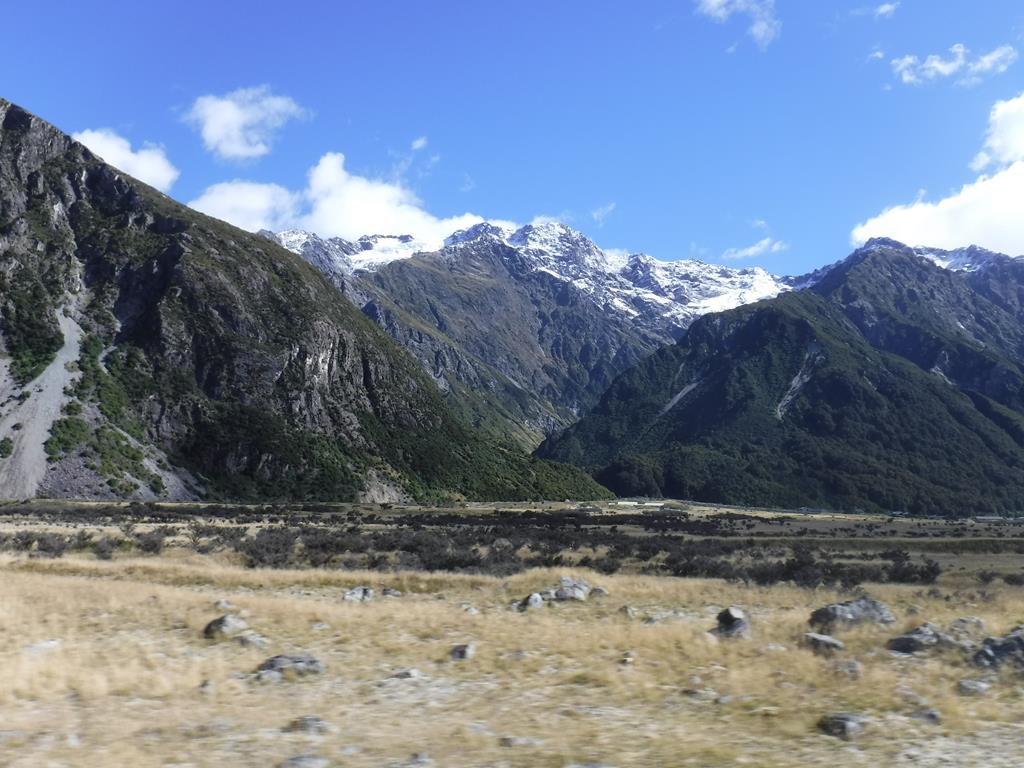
150, 351
892, 384
525, 328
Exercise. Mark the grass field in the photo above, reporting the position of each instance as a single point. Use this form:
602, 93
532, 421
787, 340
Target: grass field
106, 664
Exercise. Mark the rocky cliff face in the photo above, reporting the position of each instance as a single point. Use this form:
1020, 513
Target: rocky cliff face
500, 334
160, 352
524, 329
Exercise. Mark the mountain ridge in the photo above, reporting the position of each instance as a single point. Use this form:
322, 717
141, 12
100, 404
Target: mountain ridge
201, 359
562, 316
534, 375
856, 393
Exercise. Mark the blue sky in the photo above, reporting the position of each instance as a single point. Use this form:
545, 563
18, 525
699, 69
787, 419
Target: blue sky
738, 131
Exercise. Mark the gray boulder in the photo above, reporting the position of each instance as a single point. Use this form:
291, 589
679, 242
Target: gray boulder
928, 636
928, 715
407, 673
571, 589
462, 652
358, 595
226, 626
531, 602
997, 651
863, 610
289, 665
823, 645
390, 592
973, 687
842, 725
250, 639
732, 624
918, 639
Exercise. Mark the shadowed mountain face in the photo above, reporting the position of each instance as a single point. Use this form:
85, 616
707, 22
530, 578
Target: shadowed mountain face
524, 329
151, 351
517, 348
893, 384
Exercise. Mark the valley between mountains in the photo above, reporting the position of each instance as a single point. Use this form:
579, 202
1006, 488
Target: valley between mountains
153, 353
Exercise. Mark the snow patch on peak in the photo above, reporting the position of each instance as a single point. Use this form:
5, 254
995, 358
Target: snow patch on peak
663, 296
565, 251
969, 259
377, 250
485, 229
296, 239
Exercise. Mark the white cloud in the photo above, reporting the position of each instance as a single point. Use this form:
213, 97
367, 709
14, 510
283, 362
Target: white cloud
602, 212
334, 203
149, 163
250, 205
761, 247
348, 205
876, 55
984, 212
418, 144
913, 71
885, 10
764, 24
1004, 143
992, 63
241, 125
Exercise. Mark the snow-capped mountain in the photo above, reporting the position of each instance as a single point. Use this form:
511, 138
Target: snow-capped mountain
672, 293
971, 258
526, 327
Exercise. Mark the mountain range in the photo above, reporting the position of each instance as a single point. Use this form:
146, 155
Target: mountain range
148, 351
525, 328
892, 383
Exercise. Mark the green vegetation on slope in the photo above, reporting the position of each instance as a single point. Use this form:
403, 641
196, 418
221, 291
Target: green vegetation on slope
227, 352
30, 326
791, 405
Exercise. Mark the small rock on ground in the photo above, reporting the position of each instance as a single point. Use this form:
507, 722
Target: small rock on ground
462, 652
842, 725
824, 645
358, 595
928, 715
289, 665
250, 639
863, 610
973, 687
226, 626
732, 623
310, 724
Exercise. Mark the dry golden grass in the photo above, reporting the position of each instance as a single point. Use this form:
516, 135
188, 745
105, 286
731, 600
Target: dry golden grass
124, 684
